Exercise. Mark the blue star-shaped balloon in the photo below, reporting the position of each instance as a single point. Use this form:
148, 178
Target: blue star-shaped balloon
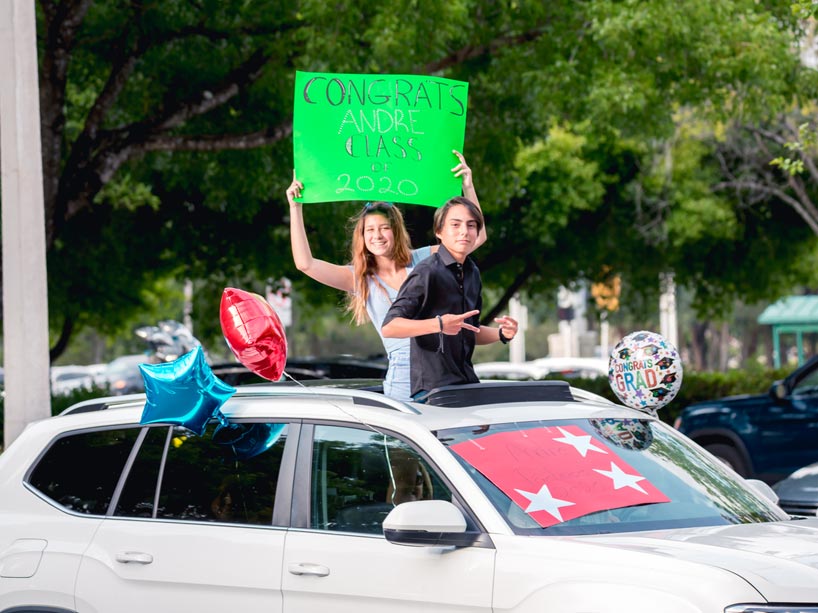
248, 440
184, 392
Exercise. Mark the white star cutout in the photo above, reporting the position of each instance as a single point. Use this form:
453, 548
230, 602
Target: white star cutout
621, 479
544, 501
582, 444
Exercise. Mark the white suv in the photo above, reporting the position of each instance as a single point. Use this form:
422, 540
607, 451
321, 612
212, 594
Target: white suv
493, 497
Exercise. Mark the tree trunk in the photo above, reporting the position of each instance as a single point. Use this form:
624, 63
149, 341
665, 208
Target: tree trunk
699, 349
62, 342
724, 347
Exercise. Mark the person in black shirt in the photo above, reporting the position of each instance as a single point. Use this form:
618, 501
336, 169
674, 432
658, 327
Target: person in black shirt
439, 303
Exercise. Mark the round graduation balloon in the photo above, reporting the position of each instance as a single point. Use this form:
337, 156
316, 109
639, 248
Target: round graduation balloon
645, 370
253, 332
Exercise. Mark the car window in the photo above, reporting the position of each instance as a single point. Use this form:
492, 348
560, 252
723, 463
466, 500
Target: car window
80, 471
591, 476
359, 475
808, 386
226, 475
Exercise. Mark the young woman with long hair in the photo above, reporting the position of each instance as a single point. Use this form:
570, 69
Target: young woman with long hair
381, 258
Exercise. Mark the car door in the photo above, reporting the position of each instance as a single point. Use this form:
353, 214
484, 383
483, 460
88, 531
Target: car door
804, 400
207, 538
789, 427
336, 557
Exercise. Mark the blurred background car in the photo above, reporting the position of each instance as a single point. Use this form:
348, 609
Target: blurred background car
798, 493
762, 436
307, 369
337, 367
68, 379
575, 368
533, 370
514, 371
123, 374
98, 373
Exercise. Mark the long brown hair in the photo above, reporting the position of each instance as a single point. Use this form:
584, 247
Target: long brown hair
363, 262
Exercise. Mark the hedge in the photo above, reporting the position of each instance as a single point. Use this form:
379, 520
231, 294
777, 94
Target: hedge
697, 387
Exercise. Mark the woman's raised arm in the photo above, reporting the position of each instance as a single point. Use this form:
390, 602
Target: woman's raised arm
339, 277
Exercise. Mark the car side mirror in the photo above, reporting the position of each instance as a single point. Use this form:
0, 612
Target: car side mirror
431, 523
779, 391
764, 489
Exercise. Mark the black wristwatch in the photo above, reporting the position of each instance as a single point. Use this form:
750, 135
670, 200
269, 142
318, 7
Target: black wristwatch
503, 339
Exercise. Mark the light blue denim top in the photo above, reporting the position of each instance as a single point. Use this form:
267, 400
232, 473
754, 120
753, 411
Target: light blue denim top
378, 303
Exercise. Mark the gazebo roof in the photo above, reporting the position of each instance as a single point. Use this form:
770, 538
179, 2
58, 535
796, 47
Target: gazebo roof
792, 310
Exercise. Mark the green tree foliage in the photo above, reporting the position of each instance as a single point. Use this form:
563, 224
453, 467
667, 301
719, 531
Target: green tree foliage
166, 138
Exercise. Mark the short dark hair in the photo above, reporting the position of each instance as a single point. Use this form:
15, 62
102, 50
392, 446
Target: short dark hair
442, 212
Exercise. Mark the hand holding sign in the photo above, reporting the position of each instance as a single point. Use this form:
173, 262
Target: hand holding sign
294, 191
463, 171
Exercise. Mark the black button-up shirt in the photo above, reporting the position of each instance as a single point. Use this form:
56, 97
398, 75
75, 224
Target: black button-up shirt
437, 286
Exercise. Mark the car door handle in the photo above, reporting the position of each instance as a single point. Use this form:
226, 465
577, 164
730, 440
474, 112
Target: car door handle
134, 557
316, 570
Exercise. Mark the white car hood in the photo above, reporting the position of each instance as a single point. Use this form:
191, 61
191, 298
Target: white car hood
779, 559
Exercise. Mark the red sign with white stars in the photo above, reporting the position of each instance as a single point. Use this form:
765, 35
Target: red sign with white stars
558, 473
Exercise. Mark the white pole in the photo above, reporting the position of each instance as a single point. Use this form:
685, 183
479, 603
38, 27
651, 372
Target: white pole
604, 336
25, 293
668, 326
565, 301
516, 348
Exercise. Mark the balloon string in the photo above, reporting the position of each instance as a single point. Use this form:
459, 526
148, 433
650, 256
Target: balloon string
293, 379
337, 406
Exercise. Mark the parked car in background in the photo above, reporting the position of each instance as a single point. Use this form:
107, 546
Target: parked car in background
492, 497
337, 367
513, 371
123, 374
307, 369
98, 374
68, 379
764, 436
532, 370
574, 368
798, 493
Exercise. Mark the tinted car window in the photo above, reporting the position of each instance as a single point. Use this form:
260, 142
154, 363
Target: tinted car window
227, 475
808, 386
138, 495
358, 476
80, 471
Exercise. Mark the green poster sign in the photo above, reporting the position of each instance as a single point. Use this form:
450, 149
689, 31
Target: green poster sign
378, 137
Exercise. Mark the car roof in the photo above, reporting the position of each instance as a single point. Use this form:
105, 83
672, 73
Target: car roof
485, 403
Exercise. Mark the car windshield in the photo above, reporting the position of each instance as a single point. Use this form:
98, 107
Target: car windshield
593, 476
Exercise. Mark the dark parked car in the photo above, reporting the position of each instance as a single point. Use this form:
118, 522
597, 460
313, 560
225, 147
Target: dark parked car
766, 436
338, 367
307, 369
798, 493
